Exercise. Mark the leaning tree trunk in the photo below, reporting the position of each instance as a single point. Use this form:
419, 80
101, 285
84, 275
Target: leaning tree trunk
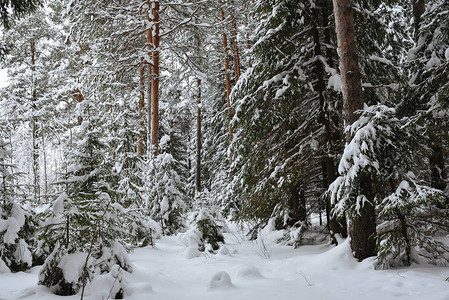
362, 229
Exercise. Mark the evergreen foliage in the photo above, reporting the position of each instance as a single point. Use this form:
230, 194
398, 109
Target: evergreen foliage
76, 126
16, 228
165, 199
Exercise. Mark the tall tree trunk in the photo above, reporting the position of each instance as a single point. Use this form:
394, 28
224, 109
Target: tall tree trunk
44, 152
248, 43
297, 204
141, 108
34, 125
171, 134
235, 46
149, 43
438, 172
79, 98
328, 167
418, 10
155, 82
362, 229
227, 75
198, 136
198, 119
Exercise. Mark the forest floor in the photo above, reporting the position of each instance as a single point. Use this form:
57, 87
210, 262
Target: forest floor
256, 271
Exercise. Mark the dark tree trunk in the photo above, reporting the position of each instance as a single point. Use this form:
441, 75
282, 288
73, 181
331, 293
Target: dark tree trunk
198, 117
198, 137
35, 127
328, 167
141, 107
155, 82
362, 228
438, 173
227, 75
297, 205
418, 10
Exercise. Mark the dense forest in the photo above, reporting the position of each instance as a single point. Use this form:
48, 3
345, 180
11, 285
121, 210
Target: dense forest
124, 121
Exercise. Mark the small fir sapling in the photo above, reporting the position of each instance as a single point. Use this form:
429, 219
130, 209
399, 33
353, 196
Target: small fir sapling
16, 226
165, 199
83, 228
205, 234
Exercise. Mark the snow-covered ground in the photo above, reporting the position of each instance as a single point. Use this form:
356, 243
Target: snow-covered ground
310, 272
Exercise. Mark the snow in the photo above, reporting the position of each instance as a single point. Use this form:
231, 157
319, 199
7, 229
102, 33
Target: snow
3, 267
335, 82
72, 266
12, 228
58, 206
22, 253
220, 280
434, 61
309, 272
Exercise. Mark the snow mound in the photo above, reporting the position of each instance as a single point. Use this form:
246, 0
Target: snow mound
341, 257
192, 252
220, 281
108, 286
249, 272
72, 266
3, 267
224, 251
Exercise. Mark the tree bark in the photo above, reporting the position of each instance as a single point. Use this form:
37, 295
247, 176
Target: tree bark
248, 43
141, 108
362, 229
149, 42
198, 119
235, 45
198, 137
79, 98
297, 204
438, 172
155, 82
34, 125
418, 10
227, 75
44, 152
319, 85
